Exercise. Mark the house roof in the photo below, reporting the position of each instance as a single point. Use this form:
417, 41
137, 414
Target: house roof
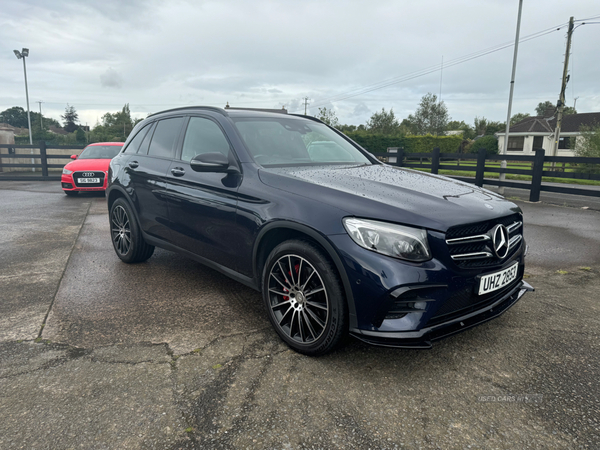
570, 124
57, 130
573, 122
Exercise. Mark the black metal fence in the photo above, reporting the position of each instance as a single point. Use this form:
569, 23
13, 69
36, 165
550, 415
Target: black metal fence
40, 154
437, 161
434, 161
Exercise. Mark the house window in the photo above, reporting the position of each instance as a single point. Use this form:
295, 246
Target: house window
564, 143
538, 142
515, 144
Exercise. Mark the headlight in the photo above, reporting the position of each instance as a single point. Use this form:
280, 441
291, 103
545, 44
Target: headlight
389, 239
67, 172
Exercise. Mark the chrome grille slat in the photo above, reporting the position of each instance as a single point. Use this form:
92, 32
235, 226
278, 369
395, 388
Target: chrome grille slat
514, 240
470, 245
514, 226
468, 239
478, 255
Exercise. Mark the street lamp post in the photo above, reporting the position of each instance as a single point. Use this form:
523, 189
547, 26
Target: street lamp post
22, 55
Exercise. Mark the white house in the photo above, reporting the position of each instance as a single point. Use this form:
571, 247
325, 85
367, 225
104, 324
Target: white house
538, 132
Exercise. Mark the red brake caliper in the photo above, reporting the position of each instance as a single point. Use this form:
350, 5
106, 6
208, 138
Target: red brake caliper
296, 267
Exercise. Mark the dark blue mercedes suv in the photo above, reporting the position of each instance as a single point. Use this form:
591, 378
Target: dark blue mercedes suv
336, 241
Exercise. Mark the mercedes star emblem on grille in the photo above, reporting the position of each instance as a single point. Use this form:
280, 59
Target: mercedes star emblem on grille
500, 241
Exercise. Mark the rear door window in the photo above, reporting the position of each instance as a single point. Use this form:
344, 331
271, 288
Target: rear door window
165, 138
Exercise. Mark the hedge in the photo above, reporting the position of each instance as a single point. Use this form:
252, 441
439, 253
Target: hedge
412, 144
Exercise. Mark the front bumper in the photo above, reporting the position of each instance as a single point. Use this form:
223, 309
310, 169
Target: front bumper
424, 337
68, 184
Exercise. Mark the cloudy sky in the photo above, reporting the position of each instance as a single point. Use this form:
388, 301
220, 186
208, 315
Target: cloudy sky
353, 56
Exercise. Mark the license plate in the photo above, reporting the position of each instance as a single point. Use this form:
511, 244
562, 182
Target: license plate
494, 281
88, 180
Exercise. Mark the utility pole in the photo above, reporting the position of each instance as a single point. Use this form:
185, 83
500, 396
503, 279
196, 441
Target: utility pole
561, 98
510, 97
305, 104
41, 119
441, 74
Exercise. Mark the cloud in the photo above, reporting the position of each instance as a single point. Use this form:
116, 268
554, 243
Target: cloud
111, 79
158, 55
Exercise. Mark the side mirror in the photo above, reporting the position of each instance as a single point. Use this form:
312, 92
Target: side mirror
73, 156
211, 162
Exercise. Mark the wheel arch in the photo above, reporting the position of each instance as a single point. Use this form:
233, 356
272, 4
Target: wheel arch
113, 194
279, 231
117, 192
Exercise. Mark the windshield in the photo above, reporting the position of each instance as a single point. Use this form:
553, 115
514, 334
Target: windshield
286, 141
100, 152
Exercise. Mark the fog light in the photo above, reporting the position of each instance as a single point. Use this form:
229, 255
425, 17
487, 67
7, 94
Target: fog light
420, 305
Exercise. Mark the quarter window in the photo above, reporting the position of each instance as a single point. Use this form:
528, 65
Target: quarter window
134, 144
203, 136
165, 137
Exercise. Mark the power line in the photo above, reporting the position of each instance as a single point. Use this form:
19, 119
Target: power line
431, 69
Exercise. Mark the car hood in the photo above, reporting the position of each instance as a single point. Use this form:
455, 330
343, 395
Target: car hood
391, 193
89, 164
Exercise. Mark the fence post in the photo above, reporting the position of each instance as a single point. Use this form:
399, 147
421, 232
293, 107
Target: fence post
435, 160
480, 167
44, 158
536, 178
400, 160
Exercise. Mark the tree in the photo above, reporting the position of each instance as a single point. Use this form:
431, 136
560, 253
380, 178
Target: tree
542, 107
489, 143
485, 127
328, 116
70, 118
494, 126
383, 122
431, 117
15, 116
80, 135
114, 127
518, 117
455, 125
588, 146
347, 128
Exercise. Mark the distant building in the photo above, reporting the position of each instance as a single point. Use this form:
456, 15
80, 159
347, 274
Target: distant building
538, 132
57, 130
7, 134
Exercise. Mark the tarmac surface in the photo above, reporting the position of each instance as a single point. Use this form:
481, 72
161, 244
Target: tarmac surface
168, 354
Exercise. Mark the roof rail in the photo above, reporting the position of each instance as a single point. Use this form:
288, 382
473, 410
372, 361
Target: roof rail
272, 110
184, 108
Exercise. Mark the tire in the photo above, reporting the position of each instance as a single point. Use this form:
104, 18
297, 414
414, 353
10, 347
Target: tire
306, 305
71, 193
127, 239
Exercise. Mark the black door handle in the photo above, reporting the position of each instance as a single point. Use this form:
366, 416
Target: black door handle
178, 171
134, 164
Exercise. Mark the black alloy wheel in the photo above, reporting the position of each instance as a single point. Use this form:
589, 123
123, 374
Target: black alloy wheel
127, 239
304, 298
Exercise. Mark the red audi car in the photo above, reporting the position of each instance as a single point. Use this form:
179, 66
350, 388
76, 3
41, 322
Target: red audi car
89, 170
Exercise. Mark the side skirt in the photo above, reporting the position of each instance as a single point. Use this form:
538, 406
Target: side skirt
247, 281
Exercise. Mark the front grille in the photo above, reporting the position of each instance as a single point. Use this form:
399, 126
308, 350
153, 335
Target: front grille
85, 174
470, 246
